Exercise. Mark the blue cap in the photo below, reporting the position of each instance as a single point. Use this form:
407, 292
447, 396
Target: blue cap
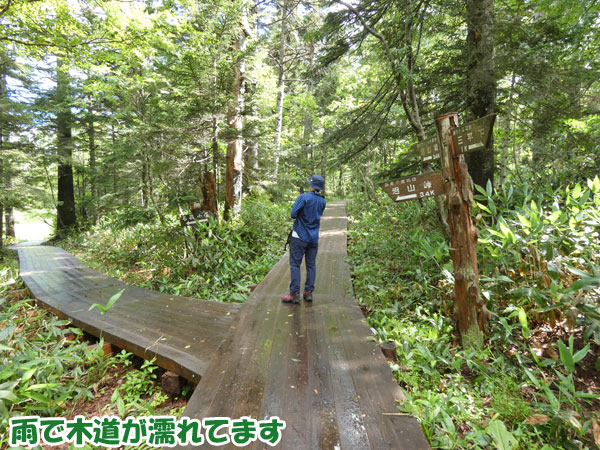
317, 182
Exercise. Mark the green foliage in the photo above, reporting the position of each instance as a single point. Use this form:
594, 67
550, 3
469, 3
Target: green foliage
215, 261
111, 301
41, 373
538, 258
542, 249
139, 392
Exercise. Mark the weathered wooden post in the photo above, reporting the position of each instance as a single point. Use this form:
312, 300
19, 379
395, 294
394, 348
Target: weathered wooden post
468, 304
454, 180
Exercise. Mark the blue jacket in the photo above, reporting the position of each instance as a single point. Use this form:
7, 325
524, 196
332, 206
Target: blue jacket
307, 210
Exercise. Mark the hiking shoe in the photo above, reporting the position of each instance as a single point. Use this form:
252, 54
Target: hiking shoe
307, 296
291, 298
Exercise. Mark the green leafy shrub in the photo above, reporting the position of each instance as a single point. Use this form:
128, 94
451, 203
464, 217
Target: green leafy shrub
542, 251
217, 261
41, 373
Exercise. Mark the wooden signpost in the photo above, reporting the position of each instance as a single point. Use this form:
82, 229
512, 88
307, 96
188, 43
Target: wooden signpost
197, 216
414, 187
450, 144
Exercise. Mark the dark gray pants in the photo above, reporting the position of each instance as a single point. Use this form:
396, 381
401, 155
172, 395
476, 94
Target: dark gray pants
298, 250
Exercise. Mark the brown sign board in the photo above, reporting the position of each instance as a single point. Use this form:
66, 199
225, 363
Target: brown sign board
474, 135
414, 187
195, 205
428, 149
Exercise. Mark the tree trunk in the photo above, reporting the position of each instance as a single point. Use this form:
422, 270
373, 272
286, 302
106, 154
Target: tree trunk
114, 154
280, 84
145, 191
410, 103
65, 210
215, 127
469, 305
92, 165
251, 153
149, 189
234, 167
481, 82
370, 188
209, 193
9, 220
323, 168
3, 95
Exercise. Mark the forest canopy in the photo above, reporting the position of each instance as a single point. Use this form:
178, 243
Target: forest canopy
140, 108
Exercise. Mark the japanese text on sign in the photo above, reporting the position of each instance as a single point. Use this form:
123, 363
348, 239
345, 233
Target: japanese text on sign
428, 149
474, 135
155, 431
414, 187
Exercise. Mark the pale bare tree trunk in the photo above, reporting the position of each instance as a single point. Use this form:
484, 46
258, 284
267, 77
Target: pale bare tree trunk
251, 153
3, 95
144, 192
234, 168
280, 84
215, 128
114, 152
368, 185
324, 162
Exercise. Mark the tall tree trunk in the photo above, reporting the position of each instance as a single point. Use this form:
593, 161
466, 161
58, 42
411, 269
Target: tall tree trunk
369, 187
323, 168
251, 153
306, 137
3, 95
308, 118
145, 190
209, 193
92, 165
150, 190
481, 82
65, 210
9, 220
114, 154
234, 168
410, 103
215, 127
283, 9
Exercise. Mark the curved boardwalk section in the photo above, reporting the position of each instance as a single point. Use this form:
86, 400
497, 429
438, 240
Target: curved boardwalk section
312, 365
181, 333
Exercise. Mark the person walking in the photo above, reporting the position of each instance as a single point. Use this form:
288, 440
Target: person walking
304, 241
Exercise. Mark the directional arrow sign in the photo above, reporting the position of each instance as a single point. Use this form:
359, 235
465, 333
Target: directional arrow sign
414, 187
474, 135
428, 149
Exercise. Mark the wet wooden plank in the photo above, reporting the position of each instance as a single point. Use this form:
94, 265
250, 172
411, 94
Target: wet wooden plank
180, 332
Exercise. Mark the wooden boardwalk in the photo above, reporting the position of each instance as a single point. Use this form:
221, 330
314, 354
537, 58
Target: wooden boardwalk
313, 365
181, 333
